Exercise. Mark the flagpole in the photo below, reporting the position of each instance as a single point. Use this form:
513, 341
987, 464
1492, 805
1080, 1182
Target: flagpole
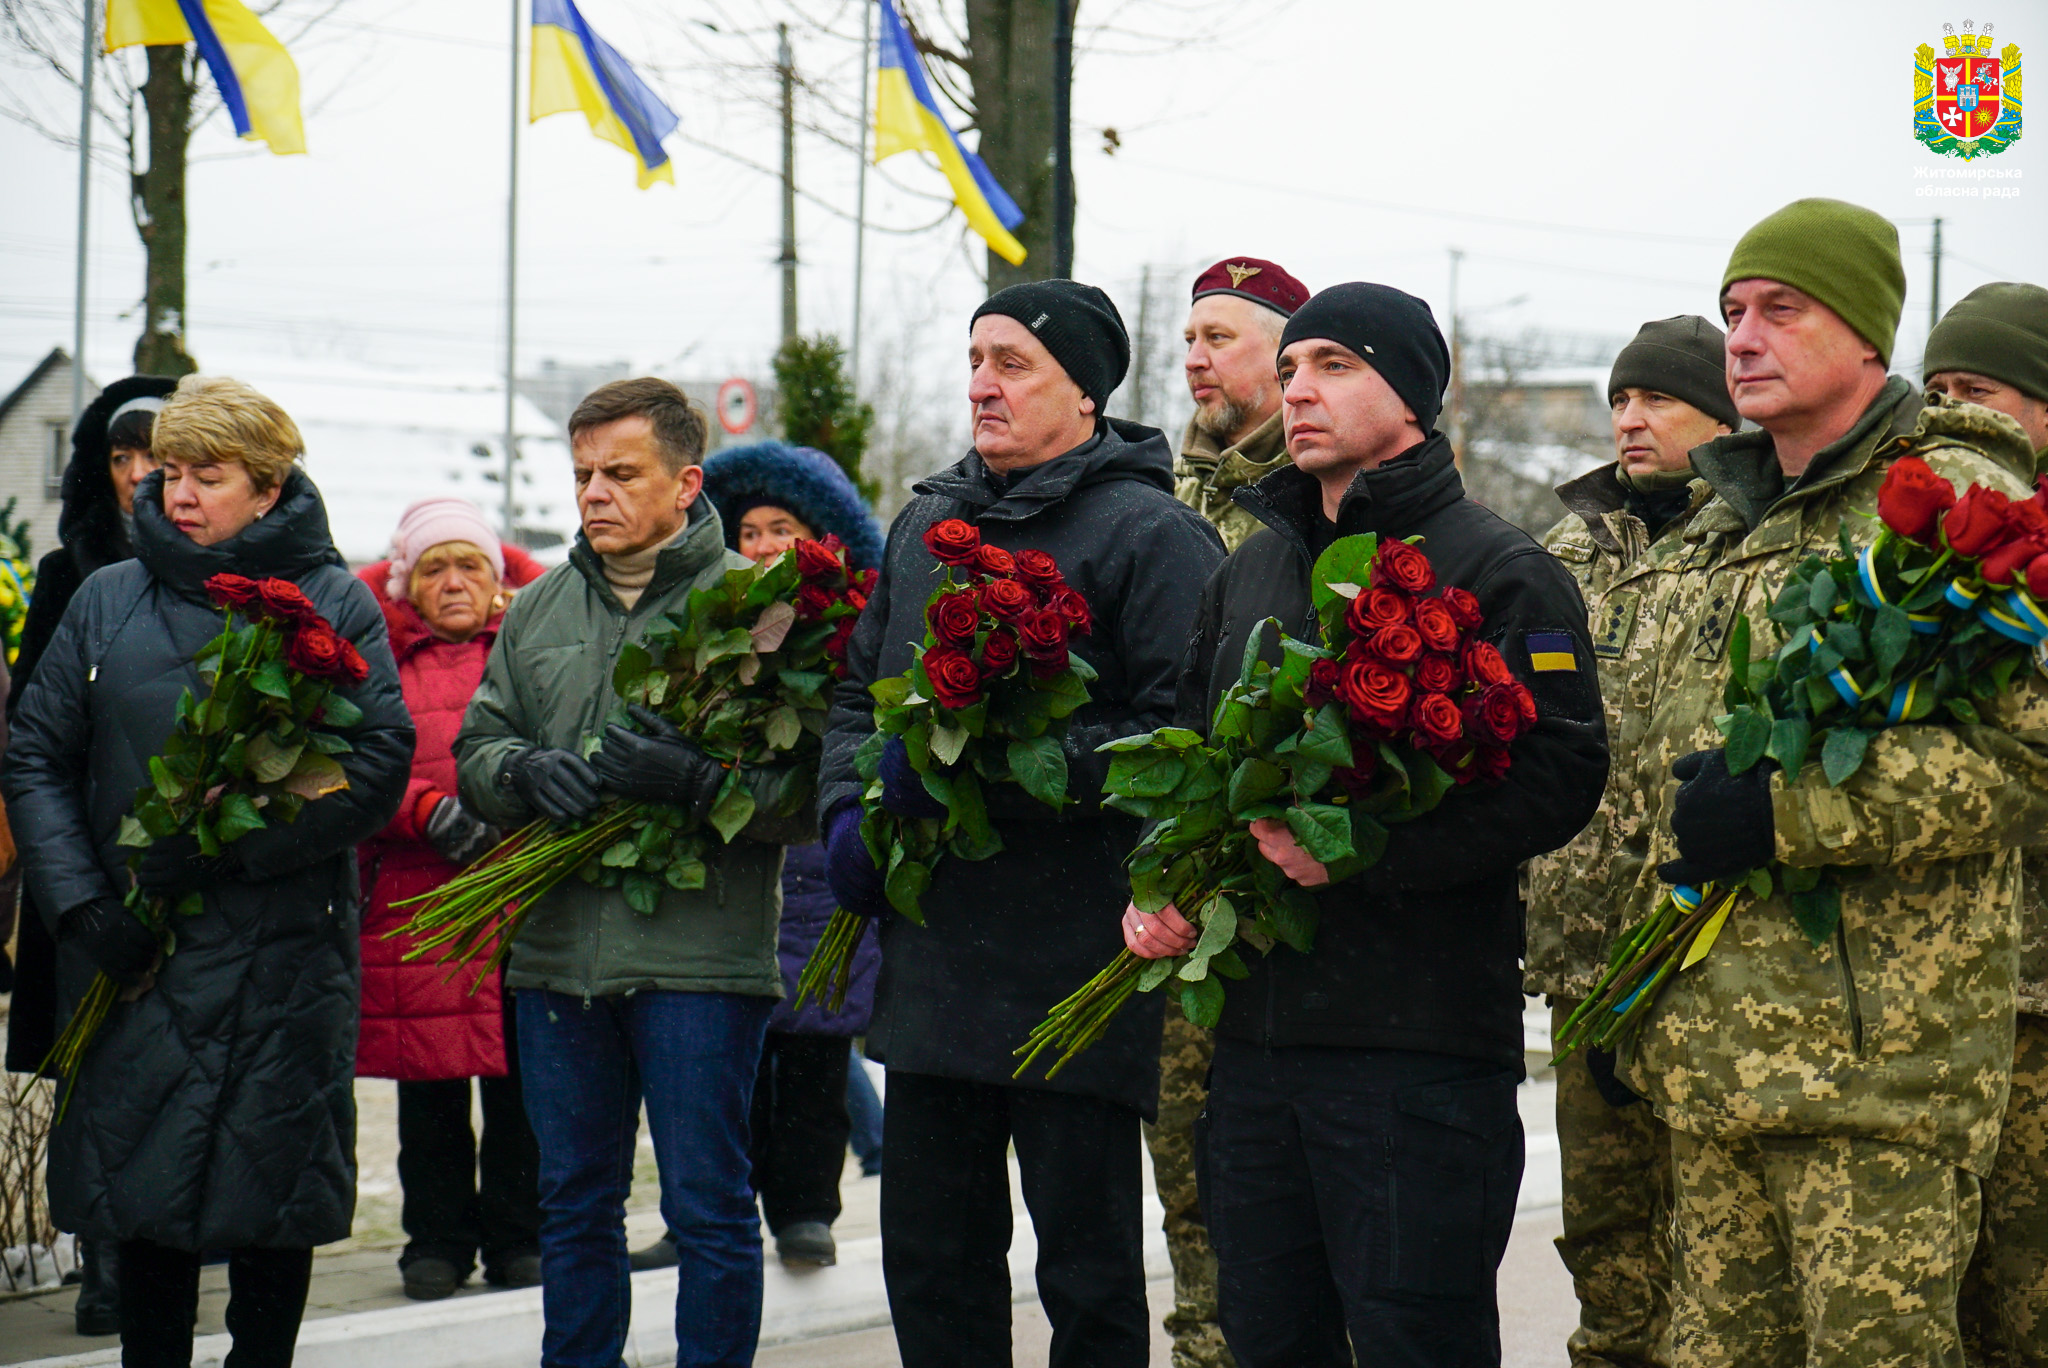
88, 61
860, 197
512, 281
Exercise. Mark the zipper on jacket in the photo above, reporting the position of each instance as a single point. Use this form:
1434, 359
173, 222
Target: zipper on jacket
1849, 995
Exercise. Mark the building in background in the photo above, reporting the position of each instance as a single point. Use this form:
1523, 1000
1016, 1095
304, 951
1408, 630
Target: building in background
738, 407
35, 446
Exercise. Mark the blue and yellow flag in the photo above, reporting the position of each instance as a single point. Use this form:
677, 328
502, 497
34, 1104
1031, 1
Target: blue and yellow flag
907, 120
574, 69
256, 77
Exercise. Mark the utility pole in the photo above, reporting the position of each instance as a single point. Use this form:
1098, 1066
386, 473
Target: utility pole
512, 290
1063, 138
786, 66
87, 61
1934, 290
860, 195
1457, 433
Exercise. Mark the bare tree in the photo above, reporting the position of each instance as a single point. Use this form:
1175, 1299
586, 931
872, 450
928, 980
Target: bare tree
149, 107
1155, 389
27, 1235
920, 410
1522, 437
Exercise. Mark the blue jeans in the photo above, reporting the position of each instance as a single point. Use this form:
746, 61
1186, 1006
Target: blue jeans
864, 1108
586, 1065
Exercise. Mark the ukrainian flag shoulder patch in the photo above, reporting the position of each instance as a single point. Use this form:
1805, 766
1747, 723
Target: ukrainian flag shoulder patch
1552, 651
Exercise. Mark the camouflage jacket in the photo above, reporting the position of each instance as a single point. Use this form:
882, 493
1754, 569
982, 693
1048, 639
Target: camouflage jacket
1577, 899
1901, 1028
1205, 476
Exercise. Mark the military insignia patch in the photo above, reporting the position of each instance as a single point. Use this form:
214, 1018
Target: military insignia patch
1966, 102
1616, 625
1719, 617
1552, 651
1239, 274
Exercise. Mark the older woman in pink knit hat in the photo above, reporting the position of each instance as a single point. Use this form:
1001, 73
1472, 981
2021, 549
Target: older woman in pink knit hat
443, 591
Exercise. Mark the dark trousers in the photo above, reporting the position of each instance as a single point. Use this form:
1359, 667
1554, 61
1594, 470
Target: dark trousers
799, 1128
946, 1222
160, 1294
1358, 1199
464, 1195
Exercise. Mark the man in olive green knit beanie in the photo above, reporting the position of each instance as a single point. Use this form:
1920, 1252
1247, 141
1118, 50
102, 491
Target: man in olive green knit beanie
1842, 254
1991, 348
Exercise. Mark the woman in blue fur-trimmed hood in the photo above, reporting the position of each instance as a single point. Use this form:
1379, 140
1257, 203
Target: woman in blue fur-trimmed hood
768, 495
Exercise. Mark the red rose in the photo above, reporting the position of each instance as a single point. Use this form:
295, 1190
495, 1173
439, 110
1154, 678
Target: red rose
998, 652
1464, 606
1402, 566
2029, 517
993, 560
1374, 694
1043, 635
856, 598
1397, 645
1322, 683
286, 601
835, 649
1484, 666
1438, 674
1356, 780
1490, 763
1494, 716
2037, 577
864, 580
1373, 609
818, 562
231, 591
1069, 604
2008, 560
953, 541
954, 618
811, 602
1977, 523
1439, 628
956, 679
317, 651
1526, 701
1912, 499
1036, 567
1437, 720
1006, 600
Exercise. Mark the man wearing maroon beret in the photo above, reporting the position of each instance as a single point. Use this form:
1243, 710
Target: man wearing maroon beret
1239, 307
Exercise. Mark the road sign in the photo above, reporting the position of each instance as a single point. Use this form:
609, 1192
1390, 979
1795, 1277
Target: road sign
736, 406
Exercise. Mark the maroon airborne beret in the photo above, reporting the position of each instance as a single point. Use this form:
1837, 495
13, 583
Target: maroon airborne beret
1261, 282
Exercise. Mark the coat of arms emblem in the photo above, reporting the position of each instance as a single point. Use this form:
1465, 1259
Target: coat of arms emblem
1966, 101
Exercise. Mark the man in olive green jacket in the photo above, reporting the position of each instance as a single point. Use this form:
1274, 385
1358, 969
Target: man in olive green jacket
1667, 396
616, 1006
1833, 1107
1991, 349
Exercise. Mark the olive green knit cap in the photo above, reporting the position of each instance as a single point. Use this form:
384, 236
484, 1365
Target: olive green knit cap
1842, 254
1998, 330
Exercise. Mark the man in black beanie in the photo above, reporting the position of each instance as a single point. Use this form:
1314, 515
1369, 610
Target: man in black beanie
1620, 540
1008, 937
1361, 1149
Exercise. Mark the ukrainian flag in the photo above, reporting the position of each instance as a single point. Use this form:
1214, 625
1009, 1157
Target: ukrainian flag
907, 120
574, 69
256, 77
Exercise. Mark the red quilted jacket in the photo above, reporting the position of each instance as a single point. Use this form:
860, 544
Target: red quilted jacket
415, 1026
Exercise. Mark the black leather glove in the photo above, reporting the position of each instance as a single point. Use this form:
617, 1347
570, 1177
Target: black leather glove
657, 764
1723, 822
172, 866
119, 945
555, 783
1614, 1092
458, 835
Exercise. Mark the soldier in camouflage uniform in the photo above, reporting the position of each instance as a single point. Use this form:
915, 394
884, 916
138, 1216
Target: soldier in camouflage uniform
1991, 349
1833, 1109
1237, 310
1668, 396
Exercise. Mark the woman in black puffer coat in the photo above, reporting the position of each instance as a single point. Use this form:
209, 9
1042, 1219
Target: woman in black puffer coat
215, 1108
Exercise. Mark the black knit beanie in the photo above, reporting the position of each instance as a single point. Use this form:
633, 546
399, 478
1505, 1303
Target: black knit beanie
1685, 357
1392, 331
1077, 323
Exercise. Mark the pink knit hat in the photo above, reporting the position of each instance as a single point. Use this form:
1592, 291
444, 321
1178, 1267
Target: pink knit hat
431, 522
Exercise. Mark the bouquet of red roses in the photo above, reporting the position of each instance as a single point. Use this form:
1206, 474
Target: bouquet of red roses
1928, 623
1400, 707
985, 701
251, 753
748, 677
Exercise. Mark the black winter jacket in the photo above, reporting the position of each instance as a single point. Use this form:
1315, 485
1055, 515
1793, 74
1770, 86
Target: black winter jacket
1421, 951
1007, 938
216, 1111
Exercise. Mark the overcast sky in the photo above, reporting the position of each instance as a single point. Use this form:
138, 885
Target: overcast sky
1594, 161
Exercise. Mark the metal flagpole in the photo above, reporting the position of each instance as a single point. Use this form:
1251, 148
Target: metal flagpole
88, 61
512, 283
860, 195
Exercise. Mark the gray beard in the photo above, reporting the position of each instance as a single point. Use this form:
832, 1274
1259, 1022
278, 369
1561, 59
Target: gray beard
1222, 423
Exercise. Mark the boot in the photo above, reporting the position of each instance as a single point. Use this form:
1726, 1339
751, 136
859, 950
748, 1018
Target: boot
98, 1311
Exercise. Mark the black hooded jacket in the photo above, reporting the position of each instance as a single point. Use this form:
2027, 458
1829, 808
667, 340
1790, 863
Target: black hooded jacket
1421, 951
1007, 938
217, 1110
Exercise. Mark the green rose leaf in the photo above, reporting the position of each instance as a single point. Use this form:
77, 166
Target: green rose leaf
1040, 767
907, 883
1155, 973
632, 669
947, 742
620, 855
268, 678
133, 833
1790, 737
1889, 637
1843, 753
269, 761
1749, 736
1818, 911
1202, 1003
336, 711
734, 806
238, 817
783, 728
315, 776
685, 876
1328, 739
1322, 829
167, 784
643, 892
